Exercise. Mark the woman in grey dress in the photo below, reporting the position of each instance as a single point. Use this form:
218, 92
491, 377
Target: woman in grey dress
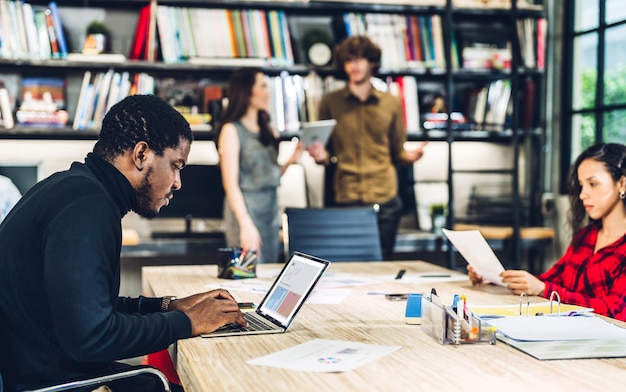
248, 150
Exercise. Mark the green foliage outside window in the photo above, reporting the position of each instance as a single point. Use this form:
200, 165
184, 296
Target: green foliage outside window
614, 129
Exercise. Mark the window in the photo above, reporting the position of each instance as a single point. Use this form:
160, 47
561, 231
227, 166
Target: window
594, 93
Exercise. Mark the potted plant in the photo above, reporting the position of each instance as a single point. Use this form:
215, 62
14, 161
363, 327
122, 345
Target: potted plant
97, 38
438, 217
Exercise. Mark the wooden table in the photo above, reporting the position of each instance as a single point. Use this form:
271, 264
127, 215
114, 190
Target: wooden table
219, 364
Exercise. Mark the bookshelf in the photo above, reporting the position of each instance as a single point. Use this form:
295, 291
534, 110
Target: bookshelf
502, 78
455, 74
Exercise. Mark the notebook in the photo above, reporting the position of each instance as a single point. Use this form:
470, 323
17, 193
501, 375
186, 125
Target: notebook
279, 307
316, 131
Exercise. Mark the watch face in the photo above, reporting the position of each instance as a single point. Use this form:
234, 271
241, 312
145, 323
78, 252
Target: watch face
319, 54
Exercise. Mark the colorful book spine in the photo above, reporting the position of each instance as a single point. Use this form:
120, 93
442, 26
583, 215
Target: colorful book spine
138, 49
417, 41
232, 34
242, 51
5, 109
54, 43
45, 51
277, 40
58, 29
264, 33
286, 39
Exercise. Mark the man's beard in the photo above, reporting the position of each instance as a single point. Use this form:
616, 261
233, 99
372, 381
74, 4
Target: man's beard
365, 79
144, 201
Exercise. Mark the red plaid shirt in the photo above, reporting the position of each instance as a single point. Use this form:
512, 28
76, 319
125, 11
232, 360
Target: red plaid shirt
592, 280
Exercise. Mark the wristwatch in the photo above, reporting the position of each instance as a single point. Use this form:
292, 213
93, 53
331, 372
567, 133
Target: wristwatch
165, 303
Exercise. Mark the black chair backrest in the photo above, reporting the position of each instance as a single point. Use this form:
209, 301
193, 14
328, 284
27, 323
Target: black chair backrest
335, 234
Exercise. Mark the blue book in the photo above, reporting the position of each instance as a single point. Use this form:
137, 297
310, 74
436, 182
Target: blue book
58, 29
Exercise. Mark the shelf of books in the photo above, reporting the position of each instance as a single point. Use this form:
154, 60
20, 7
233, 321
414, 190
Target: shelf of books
172, 53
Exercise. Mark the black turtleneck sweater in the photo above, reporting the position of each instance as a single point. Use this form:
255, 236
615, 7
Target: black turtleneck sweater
60, 315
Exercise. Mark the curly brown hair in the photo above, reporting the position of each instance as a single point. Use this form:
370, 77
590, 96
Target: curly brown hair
355, 47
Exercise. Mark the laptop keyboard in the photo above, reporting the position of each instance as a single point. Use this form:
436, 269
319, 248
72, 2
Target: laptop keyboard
254, 324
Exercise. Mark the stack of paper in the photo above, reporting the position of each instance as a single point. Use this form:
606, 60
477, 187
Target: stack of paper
562, 337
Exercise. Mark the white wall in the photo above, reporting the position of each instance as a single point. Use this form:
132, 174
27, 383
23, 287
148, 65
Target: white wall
302, 184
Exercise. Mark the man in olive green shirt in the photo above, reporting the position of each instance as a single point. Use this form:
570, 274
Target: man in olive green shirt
368, 140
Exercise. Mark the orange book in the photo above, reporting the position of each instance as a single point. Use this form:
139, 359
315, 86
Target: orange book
419, 56
231, 31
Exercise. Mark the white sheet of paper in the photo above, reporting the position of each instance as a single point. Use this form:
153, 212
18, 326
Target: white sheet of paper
248, 285
324, 355
544, 328
426, 277
328, 296
342, 279
477, 252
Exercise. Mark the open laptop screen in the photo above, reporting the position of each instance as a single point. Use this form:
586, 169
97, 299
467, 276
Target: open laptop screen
292, 287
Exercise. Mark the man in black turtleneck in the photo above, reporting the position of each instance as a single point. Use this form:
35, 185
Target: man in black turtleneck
60, 315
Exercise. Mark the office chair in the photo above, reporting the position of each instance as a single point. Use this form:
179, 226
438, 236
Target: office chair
102, 380
335, 234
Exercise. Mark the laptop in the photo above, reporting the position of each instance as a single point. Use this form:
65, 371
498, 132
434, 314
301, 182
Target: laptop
317, 131
283, 300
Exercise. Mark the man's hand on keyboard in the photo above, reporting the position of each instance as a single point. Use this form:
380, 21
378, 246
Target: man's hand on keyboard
209, 311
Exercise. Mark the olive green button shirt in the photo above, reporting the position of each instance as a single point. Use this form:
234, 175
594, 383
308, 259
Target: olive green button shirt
367, 142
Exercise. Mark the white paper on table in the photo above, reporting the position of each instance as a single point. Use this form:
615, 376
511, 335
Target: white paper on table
250, 285
477, 252
548, 328
324, 355
344, 279
426, 277
327, 296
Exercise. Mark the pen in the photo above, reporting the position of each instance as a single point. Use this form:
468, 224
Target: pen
249, 260
455, 302
242, 255
400, 274
435, 276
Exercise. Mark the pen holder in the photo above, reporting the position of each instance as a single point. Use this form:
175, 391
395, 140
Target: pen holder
236, 263
447, 327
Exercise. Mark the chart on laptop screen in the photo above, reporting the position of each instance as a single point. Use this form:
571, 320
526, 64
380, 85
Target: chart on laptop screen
292, 286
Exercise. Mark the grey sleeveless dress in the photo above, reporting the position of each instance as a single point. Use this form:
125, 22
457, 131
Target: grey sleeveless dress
259, 177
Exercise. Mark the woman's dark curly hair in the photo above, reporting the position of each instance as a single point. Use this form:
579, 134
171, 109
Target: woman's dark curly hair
613, 156
139, 118
355, 47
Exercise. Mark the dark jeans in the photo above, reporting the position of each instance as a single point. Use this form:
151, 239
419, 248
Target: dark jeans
389, 214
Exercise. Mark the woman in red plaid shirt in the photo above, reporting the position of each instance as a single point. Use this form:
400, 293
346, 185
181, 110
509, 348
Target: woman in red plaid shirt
592, 272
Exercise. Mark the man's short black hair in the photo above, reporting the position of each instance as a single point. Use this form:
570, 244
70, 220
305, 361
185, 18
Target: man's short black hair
139, 118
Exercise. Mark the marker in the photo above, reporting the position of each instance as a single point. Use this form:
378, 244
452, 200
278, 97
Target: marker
400, 274
455, 302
